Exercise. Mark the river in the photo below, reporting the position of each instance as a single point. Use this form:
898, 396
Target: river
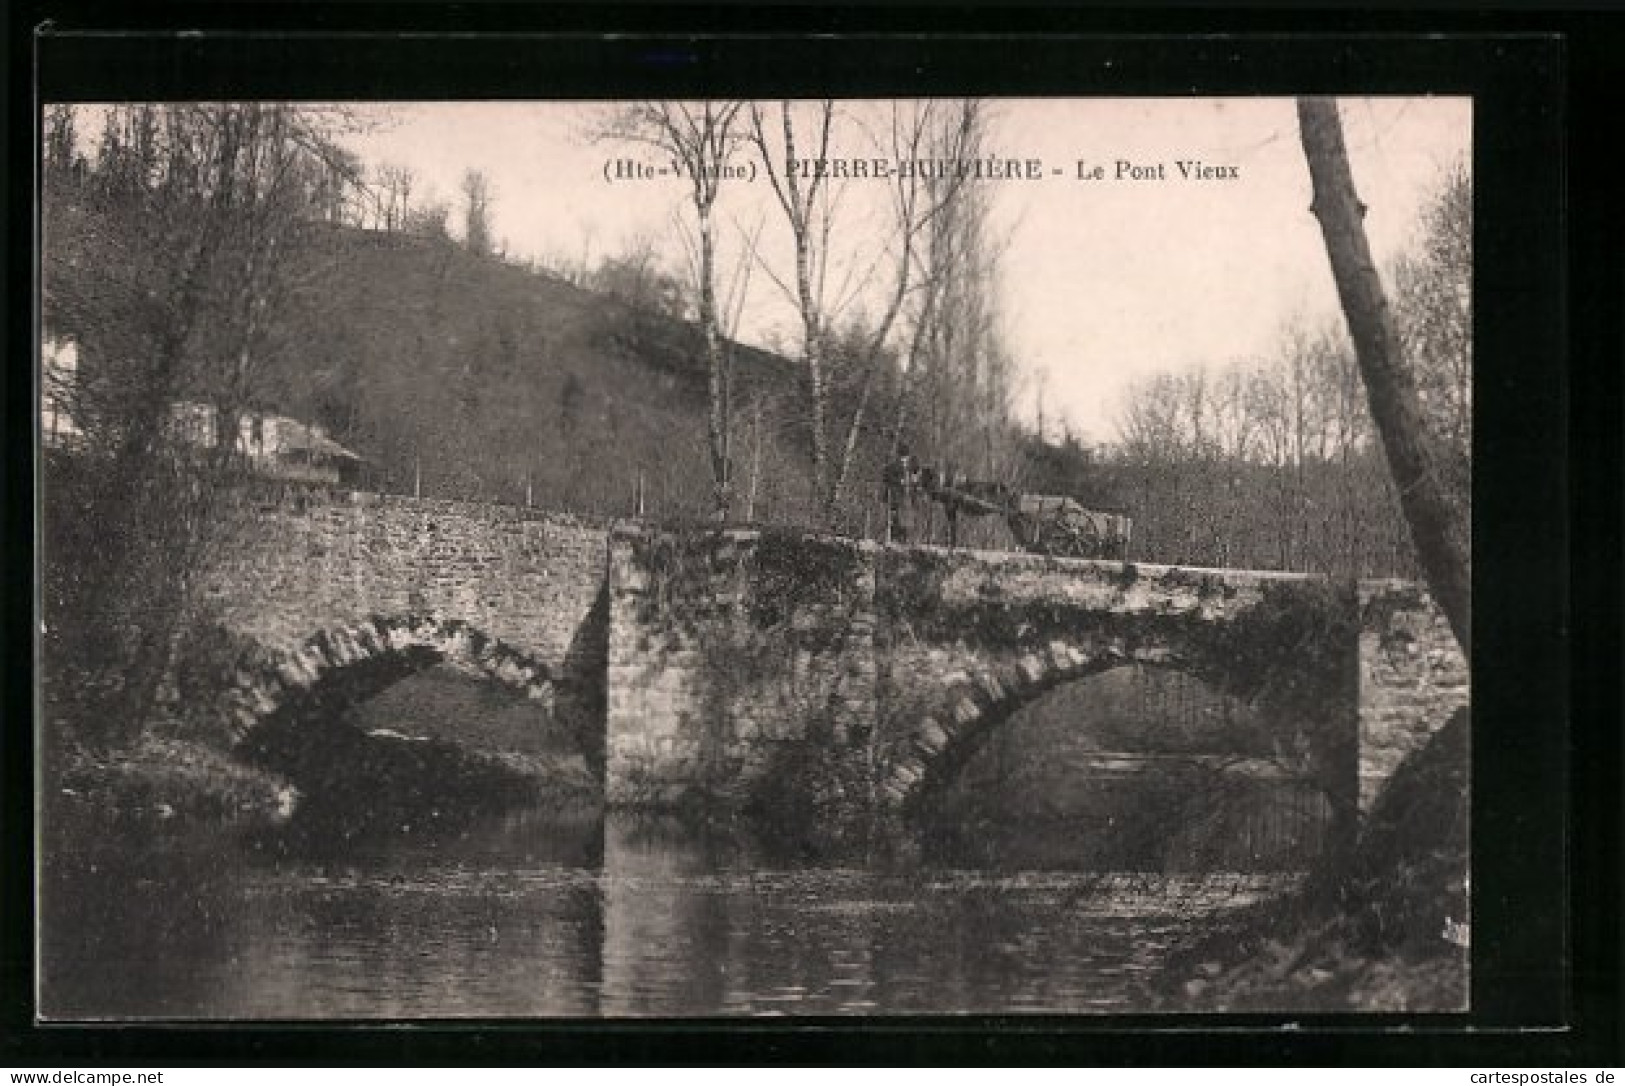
518, 915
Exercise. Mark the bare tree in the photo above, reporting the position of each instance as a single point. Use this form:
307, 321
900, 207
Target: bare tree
637, 277
794, 147
477, 213
61, 153
1150, 428
1417, 459
429, 218
701, 139
167, 265
1264, 463
919, 200
396, 183
1433, 299
1233, 427
807, 213
958, 378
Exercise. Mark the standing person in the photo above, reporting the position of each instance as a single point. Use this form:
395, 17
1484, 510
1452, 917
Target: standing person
901, 478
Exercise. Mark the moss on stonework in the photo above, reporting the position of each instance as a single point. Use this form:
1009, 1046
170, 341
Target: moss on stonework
1298, 642
1390, 598
684, 568
747, 607
1291, 654
736, 658
1179, 577
1306, 628
749, 610
913, 582
792, 572
1380, 610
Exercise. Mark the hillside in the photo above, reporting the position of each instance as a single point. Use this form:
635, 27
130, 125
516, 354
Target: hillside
473, 378
462, 376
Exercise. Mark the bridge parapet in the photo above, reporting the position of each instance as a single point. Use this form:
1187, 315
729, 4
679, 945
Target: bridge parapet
961, 577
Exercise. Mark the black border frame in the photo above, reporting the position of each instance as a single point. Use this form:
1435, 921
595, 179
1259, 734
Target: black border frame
1530, 868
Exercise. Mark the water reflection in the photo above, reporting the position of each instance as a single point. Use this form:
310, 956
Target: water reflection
525, 916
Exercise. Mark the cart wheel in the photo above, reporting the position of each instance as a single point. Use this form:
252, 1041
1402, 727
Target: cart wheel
1082, 540
1094, 546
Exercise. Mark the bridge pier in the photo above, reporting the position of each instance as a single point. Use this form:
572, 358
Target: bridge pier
1413, 676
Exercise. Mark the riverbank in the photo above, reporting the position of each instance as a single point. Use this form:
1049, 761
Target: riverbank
159, 779
163, 778
1386, 930
1289, 956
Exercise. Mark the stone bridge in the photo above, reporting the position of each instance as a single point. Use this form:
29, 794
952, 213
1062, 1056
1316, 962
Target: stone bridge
701, 659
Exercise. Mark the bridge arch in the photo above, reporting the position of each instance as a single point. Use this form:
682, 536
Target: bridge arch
353, 662
976, 702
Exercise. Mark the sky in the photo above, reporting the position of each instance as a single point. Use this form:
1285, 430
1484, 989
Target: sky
1104, 281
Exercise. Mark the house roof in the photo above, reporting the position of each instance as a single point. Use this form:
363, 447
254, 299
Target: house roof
305, 438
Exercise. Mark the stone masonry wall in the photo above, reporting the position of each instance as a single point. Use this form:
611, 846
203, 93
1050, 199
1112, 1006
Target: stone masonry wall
314, 559
294, 561
970, 638
952, 611
700, 655
724, 648
1413, 676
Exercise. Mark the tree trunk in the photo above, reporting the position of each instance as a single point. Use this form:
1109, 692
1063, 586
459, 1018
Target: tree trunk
812, 350
716, 379
1439, 528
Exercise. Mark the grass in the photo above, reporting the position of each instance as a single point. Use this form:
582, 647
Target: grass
444, 703
163, 778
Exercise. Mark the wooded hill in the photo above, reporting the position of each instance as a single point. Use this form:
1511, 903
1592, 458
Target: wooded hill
463, 376
460, 375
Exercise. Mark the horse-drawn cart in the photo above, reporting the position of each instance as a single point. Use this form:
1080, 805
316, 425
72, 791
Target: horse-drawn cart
1042, 523
1055, 524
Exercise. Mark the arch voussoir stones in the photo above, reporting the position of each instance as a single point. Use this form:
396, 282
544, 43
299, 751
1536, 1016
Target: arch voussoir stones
1011, 679
975, 697
1063, 657
1032, 669
350, 647
931, 736
989, 688
258, 693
